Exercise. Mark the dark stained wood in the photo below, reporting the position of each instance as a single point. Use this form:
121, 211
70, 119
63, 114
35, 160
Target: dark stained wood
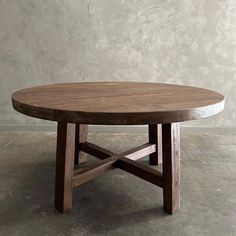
74, 105
81, 136
95, 150
93, 171
64, 166
124, 162
133, 154
117, 103
171, 167
140, 151
155, 137
142, 171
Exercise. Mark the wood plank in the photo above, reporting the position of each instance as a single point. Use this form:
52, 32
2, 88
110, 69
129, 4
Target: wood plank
64, 166
144, 172
140, 151
93, 171
171, 167
95, 150
80, 137
155, 137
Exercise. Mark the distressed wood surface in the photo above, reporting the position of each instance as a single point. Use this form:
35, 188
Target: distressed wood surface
160, 106
171, 167
94, 150
142, 171
117, 103
140, 151
80, 137
64, 166
121, 161
93, 171
155, 137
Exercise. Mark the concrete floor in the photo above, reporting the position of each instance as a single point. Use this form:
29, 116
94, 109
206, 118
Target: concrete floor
117, 203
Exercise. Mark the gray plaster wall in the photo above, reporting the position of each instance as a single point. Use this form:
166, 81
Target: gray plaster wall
175, 41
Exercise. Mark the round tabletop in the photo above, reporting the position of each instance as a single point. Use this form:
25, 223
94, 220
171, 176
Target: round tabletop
117, 103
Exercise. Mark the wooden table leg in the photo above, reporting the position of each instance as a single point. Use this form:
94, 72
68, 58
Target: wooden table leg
171, 167
80, 137
64, 166
155, 137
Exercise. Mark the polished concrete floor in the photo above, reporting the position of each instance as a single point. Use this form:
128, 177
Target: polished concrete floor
117, 203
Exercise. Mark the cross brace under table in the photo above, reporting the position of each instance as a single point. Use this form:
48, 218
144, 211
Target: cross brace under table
163, 145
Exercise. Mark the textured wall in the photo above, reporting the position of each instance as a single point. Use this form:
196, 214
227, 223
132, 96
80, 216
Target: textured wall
177, 41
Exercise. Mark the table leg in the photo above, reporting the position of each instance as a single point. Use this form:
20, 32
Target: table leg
155, 137
171, 167
64, 165
80, 137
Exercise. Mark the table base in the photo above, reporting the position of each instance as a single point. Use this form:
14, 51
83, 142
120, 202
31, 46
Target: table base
163, 147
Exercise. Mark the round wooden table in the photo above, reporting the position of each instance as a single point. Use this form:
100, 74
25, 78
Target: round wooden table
160, 106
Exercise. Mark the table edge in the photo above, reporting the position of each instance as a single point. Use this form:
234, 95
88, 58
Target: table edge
119, 118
